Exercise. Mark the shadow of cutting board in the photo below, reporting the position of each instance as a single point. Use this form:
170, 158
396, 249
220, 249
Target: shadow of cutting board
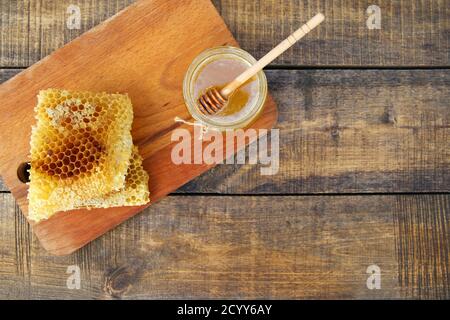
144, 51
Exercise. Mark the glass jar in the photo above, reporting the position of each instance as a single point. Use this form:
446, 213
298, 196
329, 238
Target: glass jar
217, 67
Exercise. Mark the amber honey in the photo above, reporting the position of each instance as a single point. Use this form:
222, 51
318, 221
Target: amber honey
219, 73
236, 102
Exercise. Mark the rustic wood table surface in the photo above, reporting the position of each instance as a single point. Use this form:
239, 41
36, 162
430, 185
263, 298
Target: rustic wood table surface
364, 180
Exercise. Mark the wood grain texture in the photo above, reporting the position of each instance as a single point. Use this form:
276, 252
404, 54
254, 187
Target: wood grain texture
349, 131
32, 29
413, 33
16, 34
279, 247
152, 78
426, 218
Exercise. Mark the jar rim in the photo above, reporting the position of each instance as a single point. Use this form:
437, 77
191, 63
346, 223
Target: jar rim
203, 58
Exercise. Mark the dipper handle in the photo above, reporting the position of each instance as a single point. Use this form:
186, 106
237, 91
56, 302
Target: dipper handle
272, 55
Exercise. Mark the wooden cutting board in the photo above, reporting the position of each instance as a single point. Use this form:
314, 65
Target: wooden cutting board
144, 51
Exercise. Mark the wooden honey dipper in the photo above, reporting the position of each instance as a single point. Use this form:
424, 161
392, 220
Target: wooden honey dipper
214, 100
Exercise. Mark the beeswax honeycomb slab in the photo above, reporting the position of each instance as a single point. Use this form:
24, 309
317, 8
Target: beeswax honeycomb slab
80, 149
144, 51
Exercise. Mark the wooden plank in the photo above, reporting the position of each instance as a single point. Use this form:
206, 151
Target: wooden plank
349, 131
413, 33
279, 247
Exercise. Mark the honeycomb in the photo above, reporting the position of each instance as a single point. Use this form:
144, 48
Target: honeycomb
81, 148
134, 193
